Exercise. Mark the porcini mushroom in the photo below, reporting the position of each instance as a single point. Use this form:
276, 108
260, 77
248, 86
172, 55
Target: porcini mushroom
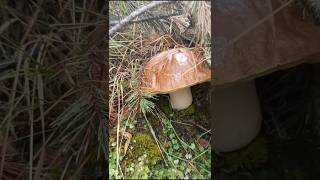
173, 72
236, 116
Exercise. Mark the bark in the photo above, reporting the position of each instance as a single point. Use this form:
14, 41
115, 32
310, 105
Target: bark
113, 23
134, 14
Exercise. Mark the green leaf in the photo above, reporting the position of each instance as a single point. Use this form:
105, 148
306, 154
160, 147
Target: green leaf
192, 146
176, 147
174, 141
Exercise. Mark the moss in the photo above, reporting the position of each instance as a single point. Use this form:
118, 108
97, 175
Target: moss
165, 106
249, 157
167, 109
188, 111
144, 145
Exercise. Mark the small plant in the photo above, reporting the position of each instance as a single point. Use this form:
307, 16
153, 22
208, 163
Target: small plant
141, 170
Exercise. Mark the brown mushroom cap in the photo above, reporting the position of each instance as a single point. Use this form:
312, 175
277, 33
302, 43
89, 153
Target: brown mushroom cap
174, 69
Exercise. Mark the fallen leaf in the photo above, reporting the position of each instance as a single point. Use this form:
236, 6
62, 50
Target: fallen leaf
129, 137
203, 142
167, 144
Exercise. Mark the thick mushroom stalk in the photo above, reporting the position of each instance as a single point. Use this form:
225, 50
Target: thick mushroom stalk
236, 116
181, 99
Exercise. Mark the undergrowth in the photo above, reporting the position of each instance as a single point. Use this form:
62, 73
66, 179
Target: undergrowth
144, 141
166, 155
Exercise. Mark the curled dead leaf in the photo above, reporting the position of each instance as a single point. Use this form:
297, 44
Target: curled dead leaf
129, 137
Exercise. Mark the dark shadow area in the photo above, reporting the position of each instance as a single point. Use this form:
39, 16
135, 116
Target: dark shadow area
287, 147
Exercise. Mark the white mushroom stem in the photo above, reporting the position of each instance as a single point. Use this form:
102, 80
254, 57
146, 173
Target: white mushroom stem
236, 116
181, 99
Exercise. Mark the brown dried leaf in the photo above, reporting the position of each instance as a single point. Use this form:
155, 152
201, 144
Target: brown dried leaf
129, 137
203, 142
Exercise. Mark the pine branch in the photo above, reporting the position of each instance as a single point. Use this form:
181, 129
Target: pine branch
136, 13
112, 23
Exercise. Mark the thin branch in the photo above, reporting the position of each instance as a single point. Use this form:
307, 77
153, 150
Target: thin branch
136, 13
112, 23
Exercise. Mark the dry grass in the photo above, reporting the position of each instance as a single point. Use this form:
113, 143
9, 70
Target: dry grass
52, 85
201, 10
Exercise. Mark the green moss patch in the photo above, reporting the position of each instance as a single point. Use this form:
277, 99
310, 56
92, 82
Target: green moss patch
144, 145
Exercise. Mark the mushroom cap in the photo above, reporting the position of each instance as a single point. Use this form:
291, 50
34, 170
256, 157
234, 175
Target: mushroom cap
174, 69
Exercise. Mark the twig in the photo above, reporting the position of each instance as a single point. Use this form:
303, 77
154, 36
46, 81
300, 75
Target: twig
112, 23
136, 13
6, 24
201, 127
